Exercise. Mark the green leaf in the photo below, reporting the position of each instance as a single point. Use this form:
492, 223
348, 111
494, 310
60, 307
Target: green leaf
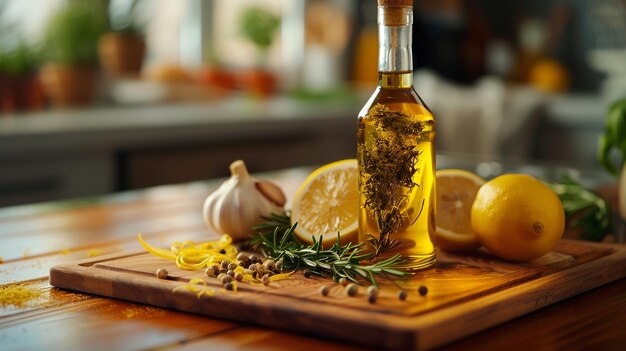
614, 138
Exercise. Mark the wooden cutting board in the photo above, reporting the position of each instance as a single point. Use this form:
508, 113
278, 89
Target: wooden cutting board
466, 294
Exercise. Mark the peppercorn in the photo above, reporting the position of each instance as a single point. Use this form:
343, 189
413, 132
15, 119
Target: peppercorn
343, 282
210, 271
252, 267
245, 263
222, 251
231, 273
266, 279
307, 273
220, 277
241, 256
161, 273
225, 264
372, 290
352, 289
325, 290
232, 266
238, 276
228, 286
423, 290
372, 299
254, 259
402, 295
227, 279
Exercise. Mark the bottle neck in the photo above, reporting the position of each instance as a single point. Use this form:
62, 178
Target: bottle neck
395, 58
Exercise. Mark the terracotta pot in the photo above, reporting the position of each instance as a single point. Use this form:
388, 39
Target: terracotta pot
121, 54
69, 85
259, 82
27, 93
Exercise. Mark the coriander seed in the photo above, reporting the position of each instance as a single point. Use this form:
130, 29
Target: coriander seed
265, 280
252, 267
225, 264
307, 273
232, 266
352, 289
372, 290
402, 295
254, 259
269, 264
423, 290
231, 273
241, 256
325, 290
227, 279
343, 282
279, 265
161, 273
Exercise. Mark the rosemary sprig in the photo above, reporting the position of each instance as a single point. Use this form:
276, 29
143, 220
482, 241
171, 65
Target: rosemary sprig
340, 261
588, 211
273, 223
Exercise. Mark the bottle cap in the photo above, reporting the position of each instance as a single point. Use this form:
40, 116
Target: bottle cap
395, 12
395, 3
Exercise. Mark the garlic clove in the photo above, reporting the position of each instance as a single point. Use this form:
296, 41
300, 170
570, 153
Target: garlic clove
272, 192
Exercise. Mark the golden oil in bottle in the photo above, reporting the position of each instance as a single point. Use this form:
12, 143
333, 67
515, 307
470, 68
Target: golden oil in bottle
395, 151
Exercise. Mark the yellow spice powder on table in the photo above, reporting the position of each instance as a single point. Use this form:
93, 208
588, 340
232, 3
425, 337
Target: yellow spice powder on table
18, 295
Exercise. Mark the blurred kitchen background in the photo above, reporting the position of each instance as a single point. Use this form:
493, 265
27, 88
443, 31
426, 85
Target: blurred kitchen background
104, 96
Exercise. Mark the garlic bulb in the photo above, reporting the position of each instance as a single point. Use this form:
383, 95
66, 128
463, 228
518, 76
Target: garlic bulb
239, 203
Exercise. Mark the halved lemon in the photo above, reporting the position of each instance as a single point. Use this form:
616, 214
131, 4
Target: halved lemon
456, 191
327, 203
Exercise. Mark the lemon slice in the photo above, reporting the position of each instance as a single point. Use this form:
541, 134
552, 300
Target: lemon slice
456, 191
327, 203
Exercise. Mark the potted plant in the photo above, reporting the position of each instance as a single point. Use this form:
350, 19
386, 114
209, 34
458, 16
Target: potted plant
18, 79
19, 86
122, 48
613, 144
259, 26
69, 48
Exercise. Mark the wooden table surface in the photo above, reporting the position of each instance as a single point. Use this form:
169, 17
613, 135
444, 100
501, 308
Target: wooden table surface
33, 238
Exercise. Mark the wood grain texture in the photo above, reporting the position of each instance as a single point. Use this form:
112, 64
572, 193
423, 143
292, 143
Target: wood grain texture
66, 231
466, 294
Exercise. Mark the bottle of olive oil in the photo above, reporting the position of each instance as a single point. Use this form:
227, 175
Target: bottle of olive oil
396, 154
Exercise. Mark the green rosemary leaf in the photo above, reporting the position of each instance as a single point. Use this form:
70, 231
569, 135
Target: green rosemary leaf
309, 262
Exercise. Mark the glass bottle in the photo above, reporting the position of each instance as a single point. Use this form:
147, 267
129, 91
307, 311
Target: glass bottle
395, 150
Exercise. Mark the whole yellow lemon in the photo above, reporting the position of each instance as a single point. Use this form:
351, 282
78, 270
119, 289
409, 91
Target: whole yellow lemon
517, 217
